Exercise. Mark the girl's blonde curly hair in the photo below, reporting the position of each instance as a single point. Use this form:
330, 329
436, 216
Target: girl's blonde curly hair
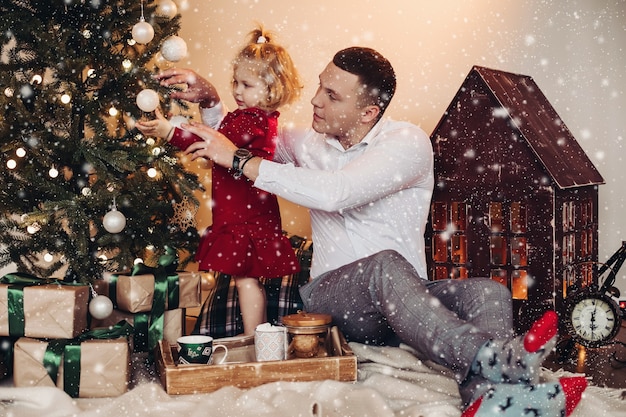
273, 65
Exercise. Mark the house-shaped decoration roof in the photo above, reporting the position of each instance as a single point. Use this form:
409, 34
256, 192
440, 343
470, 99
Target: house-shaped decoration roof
539, 125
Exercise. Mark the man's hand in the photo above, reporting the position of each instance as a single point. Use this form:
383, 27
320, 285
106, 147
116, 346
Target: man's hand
197, 89
215, 145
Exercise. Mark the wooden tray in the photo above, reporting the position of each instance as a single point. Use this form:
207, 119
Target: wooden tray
336, 361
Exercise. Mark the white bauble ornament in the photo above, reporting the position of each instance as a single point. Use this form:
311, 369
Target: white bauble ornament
174, 48
177, 120
147, 100
143, 32
114, 221
100, 307
166, 8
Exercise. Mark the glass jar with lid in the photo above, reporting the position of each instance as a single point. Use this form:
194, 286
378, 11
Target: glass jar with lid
307, 333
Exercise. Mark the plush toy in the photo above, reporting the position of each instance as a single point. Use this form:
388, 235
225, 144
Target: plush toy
514, 400
512, 366
518, 359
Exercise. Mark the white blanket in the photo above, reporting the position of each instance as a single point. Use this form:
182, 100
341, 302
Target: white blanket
391, 382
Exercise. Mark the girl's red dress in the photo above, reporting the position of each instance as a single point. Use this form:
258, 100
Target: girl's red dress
246, 236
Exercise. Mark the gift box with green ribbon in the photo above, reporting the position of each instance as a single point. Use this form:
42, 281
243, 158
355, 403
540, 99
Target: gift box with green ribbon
34, 307
135, 292
144, 287
95, 364
148, 328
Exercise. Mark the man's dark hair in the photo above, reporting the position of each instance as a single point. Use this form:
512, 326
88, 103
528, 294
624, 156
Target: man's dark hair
374, 71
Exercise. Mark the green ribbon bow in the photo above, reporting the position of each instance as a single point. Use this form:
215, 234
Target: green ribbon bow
149, 327
69, 351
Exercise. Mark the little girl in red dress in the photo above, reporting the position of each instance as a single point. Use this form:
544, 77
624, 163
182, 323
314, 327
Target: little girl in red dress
245, 239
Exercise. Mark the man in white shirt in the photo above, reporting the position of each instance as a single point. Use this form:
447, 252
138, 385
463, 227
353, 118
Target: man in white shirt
368, 183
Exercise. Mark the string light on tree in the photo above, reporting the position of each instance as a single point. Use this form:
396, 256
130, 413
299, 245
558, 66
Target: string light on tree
143, 32
114, 221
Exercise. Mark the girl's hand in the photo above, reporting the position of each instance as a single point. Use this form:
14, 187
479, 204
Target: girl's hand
159, 127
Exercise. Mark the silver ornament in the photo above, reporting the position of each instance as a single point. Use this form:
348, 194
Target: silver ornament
100, 307
143, 32
167, 9
174, 48
147, 100
114, 221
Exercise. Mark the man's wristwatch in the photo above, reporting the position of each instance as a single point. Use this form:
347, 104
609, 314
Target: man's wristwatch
239, 160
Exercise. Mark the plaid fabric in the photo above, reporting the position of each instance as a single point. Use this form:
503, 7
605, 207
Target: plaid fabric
220, 315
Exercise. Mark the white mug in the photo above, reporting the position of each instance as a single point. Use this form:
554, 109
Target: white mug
270, 343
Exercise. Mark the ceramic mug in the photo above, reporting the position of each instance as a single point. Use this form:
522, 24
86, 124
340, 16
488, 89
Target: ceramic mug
270, 343
198, 349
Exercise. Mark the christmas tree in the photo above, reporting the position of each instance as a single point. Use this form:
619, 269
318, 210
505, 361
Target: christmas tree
81, 191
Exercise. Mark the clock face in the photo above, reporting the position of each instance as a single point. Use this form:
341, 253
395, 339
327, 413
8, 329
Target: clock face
594, 320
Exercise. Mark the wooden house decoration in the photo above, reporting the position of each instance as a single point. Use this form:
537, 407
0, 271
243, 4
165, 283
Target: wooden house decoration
515, 198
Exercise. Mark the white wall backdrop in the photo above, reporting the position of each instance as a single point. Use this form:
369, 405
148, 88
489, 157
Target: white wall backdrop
574, 49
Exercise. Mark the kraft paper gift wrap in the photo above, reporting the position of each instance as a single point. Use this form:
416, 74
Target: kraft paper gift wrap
135, 293
49, 311
104, 367
147, 332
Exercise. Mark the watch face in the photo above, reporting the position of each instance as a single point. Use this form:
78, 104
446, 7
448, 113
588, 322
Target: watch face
594, 320
242, 153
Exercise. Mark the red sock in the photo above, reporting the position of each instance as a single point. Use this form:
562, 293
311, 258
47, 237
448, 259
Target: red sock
541, 332
473, 408
573, 388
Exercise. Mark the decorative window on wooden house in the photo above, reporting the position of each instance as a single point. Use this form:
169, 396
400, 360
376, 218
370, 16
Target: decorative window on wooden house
449, 239
508, 246
578, 243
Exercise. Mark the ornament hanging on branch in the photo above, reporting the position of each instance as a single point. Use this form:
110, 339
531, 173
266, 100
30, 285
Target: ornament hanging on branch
114, 221
100, 306
185, 213
147, 100
167, 9
143, 32
174, 48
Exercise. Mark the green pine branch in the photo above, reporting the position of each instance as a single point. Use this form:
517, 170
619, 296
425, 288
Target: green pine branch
68, 160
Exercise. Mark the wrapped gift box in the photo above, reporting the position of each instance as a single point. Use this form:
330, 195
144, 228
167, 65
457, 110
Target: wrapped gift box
50, 311
173, 326
135, 293
104, 366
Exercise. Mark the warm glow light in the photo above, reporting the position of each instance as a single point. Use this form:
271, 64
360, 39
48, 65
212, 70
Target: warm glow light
36, 79
65, 98
127, 64
48, 258
53, 172
21, 152
152, 172
11, 164
113, 111
8, 92
33, 228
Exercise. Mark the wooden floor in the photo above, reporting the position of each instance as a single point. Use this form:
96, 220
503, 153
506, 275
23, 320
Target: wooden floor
606, 365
